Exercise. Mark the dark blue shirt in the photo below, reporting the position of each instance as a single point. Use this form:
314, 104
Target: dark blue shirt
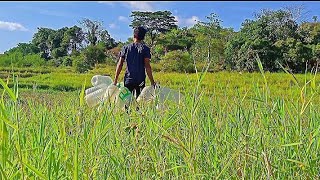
134, 54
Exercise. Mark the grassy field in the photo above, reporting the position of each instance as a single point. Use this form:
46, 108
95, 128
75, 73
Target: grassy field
230, 126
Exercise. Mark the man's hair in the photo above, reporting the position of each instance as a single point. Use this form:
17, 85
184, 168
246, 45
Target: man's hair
139, 33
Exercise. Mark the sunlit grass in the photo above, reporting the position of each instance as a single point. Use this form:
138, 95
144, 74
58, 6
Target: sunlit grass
230, 126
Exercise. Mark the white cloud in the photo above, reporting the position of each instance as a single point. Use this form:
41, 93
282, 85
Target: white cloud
140, 5
111, 3
12, 26
106, 2
113, 26
189, 22
133, 5
192, 21
123, 19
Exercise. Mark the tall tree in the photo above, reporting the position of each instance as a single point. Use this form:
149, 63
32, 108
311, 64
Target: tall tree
273, 36
95, 33
107, 40
56, 45
176, 39
155, 22
41, 39
92, 30
73, 38
210, 40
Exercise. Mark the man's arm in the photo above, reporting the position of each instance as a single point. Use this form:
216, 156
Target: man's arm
149, 70
118, 70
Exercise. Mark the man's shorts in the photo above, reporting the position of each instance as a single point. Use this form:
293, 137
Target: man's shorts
135, 89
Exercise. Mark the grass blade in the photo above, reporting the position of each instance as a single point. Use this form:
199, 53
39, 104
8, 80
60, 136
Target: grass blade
11, 94
33, 169
292, 144
75, 161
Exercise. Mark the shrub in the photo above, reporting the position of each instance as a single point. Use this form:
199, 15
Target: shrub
177, 61
80, 64
67, 61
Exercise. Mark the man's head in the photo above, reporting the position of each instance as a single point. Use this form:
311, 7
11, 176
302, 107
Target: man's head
139, 33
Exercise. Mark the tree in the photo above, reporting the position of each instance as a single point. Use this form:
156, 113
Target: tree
92, 30
176, 39
95, 33
25, 49
73, 38
315, 18
41, 40
107, 40
310, 35
270, 37
210, 40
155, 22
57, 47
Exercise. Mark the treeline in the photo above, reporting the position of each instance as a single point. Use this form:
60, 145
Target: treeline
81, 47
274, 36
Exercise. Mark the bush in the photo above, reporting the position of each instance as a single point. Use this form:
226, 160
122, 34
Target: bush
5, 60
158, 52
55, 62
177, 61
67, 61
94, 54
33, 60
58, 52
80, 64
17, 59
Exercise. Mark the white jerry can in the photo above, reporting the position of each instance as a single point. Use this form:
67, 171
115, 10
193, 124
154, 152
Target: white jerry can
124, 97
147, 94
112, 93
95, 97
99, 79
95, 88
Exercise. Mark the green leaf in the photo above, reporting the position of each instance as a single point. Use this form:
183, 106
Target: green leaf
75, 161
4, 176
292, 144
11, 94
5, 118
33, 169
82, 93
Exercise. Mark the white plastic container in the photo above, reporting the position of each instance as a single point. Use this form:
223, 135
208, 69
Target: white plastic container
124, 97
99, 79
95, 97
111, 93
167, 94
95, 88
163, 94
147, 94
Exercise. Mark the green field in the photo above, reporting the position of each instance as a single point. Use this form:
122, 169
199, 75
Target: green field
231, 126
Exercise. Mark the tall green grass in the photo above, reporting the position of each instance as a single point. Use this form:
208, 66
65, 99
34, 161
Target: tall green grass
218, 132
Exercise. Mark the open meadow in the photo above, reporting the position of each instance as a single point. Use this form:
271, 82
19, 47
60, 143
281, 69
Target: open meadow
249, 81
231, 126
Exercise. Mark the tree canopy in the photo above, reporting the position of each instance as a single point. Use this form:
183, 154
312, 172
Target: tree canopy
275, 36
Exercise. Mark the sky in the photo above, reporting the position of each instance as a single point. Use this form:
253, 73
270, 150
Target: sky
19, 20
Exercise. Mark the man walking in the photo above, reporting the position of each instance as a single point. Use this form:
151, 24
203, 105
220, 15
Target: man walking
137, 56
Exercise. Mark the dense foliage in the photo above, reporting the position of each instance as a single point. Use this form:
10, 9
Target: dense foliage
276, 37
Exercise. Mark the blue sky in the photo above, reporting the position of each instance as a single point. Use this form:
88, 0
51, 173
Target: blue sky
19, 20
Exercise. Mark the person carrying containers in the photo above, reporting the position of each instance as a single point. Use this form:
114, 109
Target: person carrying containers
137, 56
